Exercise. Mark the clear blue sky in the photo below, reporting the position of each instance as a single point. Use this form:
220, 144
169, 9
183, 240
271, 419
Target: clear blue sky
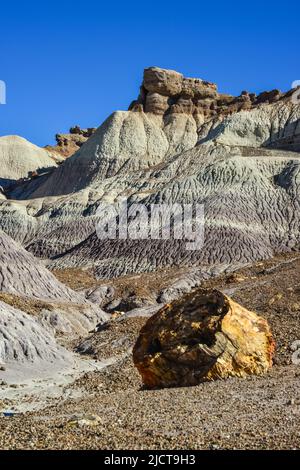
69, 63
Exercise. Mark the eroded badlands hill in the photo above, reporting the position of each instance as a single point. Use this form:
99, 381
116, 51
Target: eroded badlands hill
180, 142
34, 308
20, 158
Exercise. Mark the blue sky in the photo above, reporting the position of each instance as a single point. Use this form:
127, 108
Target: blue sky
67, 63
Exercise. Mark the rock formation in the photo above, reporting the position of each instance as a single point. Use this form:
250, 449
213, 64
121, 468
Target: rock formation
172, 115
180, 142
202, 336
67, 144
166, 91
226, 157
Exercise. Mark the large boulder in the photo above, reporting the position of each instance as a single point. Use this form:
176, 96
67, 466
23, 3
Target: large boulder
202, 336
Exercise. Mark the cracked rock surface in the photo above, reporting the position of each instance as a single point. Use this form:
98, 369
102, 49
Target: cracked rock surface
202, 336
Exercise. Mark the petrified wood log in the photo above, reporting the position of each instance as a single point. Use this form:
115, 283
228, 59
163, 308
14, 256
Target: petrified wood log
202, 336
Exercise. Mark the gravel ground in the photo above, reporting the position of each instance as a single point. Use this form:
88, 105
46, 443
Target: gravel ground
255, 413
252, 413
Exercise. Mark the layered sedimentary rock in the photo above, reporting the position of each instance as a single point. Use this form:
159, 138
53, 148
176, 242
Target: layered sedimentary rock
22, 274
126, 141
202, 336
161, 151
243, 192
25, 281
166, 91
172, 115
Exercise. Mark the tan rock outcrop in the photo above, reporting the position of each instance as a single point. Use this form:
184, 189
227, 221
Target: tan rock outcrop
68, 144
164, 82
167, 91
183, 105
196, 88
202, 336
156, 103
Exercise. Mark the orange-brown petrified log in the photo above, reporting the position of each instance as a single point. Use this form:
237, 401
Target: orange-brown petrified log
202, 336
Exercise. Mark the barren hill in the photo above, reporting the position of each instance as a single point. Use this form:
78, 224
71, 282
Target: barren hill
19, 158
180, 142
